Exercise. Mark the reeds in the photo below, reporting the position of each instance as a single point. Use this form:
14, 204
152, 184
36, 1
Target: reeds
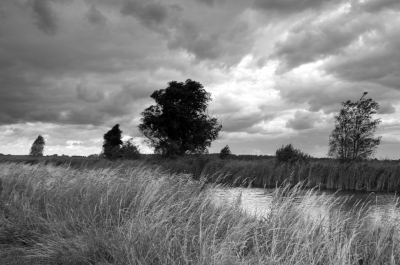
60, 215
364, 175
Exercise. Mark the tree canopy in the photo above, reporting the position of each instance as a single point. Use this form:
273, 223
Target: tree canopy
178, 123
353, 136
37, 146
112, 142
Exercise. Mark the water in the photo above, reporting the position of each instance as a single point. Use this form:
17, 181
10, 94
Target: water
258, 202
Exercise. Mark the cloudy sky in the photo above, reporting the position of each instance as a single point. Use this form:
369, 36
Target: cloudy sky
277, 69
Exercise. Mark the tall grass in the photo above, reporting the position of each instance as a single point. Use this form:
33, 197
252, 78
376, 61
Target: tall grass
331, 174
60, 215
255, 171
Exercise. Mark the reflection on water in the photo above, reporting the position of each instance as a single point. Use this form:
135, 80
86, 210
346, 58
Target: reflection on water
258, 202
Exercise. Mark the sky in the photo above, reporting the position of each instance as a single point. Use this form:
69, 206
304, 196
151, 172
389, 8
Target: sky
277, 70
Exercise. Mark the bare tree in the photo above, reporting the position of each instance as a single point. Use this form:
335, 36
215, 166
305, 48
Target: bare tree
353, 136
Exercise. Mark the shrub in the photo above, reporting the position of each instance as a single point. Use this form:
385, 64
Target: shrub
290, 154
225, 152
129, 151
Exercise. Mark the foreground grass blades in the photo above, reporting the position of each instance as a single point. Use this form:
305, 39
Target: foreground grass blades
61, 215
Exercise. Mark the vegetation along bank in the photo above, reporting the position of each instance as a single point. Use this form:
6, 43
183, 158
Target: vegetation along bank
61, 215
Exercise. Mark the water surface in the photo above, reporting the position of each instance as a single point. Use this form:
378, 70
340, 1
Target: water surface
257, 201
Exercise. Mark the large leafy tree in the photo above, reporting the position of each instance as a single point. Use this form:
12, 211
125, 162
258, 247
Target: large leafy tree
353, 136
112, 143
178, 123
37, 146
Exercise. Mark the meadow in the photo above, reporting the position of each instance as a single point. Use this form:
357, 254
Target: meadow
140, 215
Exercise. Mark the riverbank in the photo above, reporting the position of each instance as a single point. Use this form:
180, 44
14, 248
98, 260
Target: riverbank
382, 176
133, 215
373, 175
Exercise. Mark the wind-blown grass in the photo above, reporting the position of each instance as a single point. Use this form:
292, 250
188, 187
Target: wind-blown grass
60, 215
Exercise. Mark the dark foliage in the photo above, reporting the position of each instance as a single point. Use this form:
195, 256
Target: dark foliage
112, 143
37, 147
129, 151
353, 136
178, 123
225, 152
290, 154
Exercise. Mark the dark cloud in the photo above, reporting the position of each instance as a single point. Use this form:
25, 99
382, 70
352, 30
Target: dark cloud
374, 6
190, 38
150, 14
243, 120
225, 47
45, 18
88, 96
308, 43
291, 6
376, 61
209, 3
95, 16
302, 120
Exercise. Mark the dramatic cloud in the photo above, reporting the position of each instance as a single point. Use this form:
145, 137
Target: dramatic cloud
277, 70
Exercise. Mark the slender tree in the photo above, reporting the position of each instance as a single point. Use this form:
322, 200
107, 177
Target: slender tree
37, 147
225, 152
178, 123
353, 136
112, 143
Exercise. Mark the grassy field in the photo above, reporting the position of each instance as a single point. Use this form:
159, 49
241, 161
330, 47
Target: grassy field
134, 215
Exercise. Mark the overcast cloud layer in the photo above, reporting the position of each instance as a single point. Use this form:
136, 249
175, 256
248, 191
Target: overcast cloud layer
277, 69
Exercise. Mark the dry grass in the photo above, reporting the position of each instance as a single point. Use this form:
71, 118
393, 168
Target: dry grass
60, 215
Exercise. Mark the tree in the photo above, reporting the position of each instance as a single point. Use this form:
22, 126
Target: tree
290, 154
178, 123
353, 136
37, 147
129, 150
112, 143
225, 152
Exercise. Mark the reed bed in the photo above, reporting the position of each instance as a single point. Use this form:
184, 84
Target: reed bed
61, 215
363, 175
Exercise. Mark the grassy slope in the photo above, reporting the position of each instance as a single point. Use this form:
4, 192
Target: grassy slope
60, 215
